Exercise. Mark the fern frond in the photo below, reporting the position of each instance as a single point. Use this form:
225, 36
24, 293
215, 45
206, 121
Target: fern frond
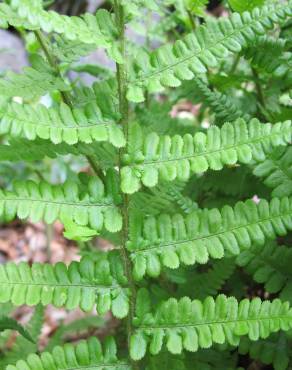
85, 355
104, 94
190, 325
270, 55
69, 51
31, 84
276, 172
22, 347
223, 107
96, 29
82, 284
59, 124
243, 185
162, 199
170, 240
243, 5
154, 158
275, 350
25, 150
209, 283
42, 201
8, 17
170, 64
269, 265
78, 326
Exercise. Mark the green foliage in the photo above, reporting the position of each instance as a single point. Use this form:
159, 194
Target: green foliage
87, 354
269, 265
204, 234
31, 84
154, 158
81, 284
169, 65
9, 323
273, 351
225, 110
46, 202
189, 193
277, 172
59, 124
242, 5
23, 347
189, 325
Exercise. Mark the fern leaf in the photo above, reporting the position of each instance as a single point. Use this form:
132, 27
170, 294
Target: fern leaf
190, 325
269, 55
25, 150
154, 158
203, 284
274, 350
204, 234
104, 94
61, 124
68, 51
79, 326
96, 29
22, 347
243, 5
276, 172
223, 107
169, 65
31, 84
82, 284
9, 323
162, 199
9, 17
85, 355
42, 201
269, 265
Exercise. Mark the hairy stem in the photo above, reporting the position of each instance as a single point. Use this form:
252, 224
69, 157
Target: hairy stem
65, 95
124, 110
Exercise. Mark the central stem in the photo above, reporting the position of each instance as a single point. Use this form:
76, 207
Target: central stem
124, 111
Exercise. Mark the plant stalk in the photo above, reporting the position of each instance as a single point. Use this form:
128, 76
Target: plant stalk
124, 111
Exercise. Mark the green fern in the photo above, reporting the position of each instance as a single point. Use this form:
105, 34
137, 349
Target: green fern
207, 283
31, 84
22, 347
276, 172
225, 110
99, 29
190, 325
81, 284
269, 265
169, 65
87, 354
17, 150
273, 351
154, 158
269, 55
60, 124
204, 234
69, 51
170, 229
242, 5
46, 202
